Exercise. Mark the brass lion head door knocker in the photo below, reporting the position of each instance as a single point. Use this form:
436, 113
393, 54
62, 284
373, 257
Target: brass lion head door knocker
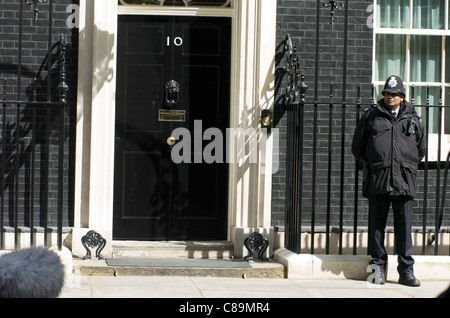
172, 94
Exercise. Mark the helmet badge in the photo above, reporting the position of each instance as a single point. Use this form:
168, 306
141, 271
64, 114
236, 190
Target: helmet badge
393, 82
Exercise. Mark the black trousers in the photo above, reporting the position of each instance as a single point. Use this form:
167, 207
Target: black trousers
378, 214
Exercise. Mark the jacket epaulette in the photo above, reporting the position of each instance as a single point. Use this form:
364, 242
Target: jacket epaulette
369, 108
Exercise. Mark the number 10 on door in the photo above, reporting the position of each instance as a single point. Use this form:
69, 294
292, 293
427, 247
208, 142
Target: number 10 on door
178, 41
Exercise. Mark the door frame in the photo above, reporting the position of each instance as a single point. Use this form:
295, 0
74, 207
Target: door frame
192, 203
252, 91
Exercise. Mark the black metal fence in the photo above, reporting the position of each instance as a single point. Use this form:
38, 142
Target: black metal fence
323, 184
340, 203
32, 128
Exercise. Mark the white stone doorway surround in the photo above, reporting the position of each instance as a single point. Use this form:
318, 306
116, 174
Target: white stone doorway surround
252, 81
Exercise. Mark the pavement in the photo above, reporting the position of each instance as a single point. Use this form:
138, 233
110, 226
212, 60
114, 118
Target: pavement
97, 279
185, 287
224, 289
180, 282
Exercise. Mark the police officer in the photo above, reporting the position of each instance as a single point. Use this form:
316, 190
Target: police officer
389, 142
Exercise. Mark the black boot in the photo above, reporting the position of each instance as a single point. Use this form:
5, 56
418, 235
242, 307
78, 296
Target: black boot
408, 279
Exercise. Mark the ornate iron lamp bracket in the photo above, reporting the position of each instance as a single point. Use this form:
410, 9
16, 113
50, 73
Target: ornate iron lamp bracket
258, 243
296, 89
62, 87
35, 4
93, 239
334, 5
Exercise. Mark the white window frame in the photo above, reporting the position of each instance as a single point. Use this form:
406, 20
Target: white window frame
433, 138
205, 11
124, 3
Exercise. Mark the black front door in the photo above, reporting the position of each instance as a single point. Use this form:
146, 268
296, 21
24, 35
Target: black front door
173, 84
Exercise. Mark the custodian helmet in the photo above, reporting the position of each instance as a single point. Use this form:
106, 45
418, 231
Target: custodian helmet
394, 84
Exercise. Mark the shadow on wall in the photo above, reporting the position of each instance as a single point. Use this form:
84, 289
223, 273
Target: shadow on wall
33, 129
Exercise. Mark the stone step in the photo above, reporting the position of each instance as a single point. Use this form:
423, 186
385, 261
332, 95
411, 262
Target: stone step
177, 258
181, 267
175, 249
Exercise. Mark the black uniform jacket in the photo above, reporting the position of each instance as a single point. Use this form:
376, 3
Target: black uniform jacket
390, 150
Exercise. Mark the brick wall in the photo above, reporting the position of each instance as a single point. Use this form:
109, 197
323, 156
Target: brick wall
298, 18
34, 50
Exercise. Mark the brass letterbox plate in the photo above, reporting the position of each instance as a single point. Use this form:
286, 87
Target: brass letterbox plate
172, 115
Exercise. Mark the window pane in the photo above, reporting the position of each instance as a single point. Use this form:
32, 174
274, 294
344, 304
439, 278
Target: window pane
420, 99
378, 90
393, 13
390, 56
184, 3
426, 55
429, 14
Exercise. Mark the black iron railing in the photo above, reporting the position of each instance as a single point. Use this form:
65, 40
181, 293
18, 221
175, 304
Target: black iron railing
322, 178
32, 127
340, 181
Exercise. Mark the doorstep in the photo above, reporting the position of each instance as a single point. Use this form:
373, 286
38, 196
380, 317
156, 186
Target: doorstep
178, 267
